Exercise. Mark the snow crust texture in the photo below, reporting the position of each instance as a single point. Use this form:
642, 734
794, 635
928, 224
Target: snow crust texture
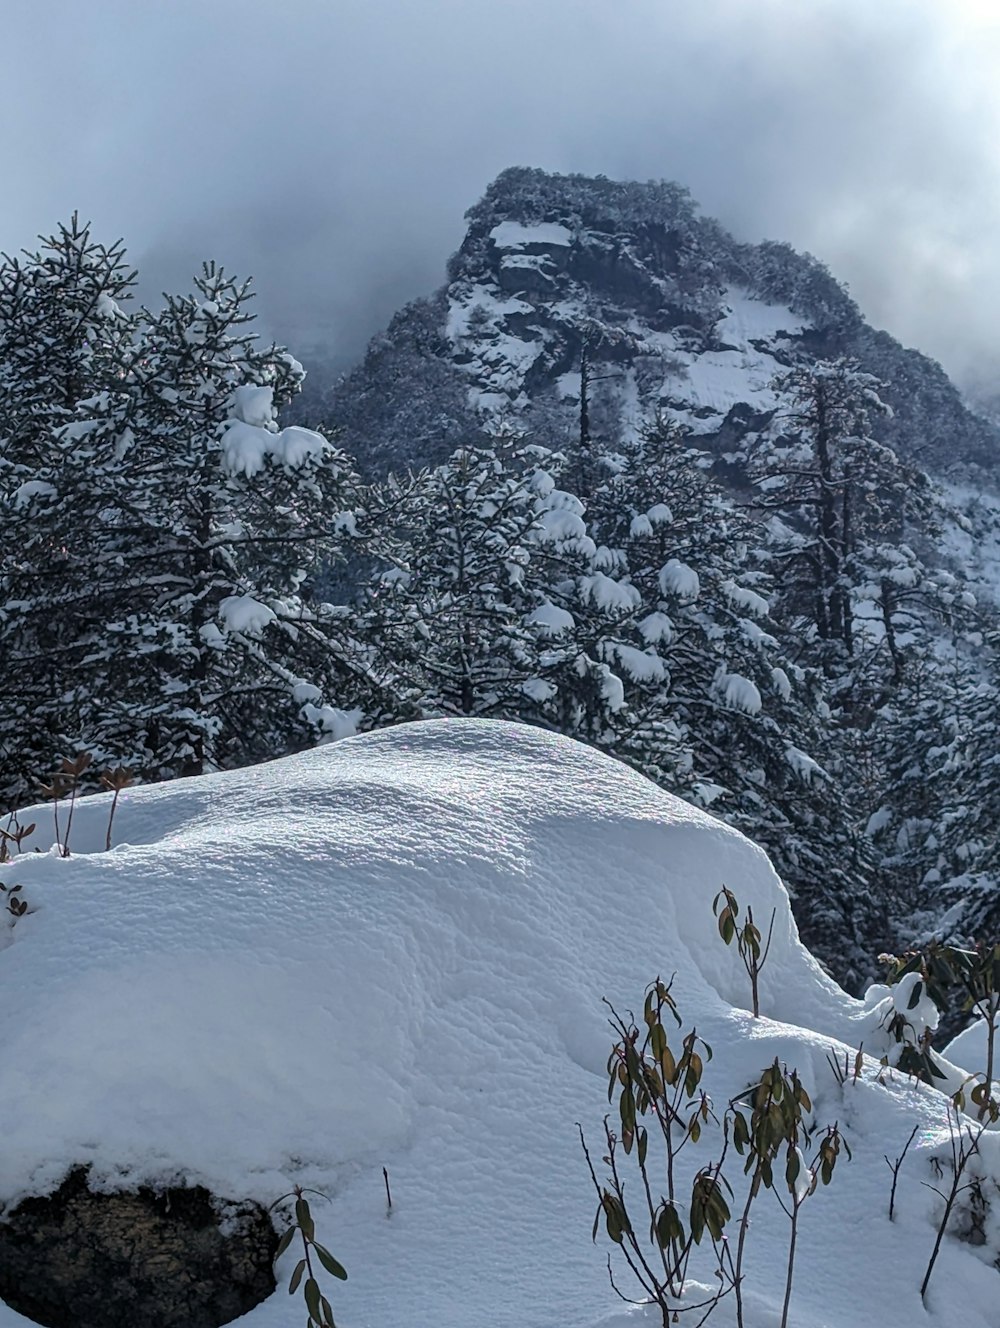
391, 951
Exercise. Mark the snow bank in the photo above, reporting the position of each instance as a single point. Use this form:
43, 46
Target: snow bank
513, 235
392, 952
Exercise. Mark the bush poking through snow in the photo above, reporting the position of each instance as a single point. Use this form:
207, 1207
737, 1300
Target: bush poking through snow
16, 906
850, 1069
13, 834
66, 779
114, 781
779, 1120
747, 937
304, 1274
771, 1118
963, 1143
62, 781
652, 1083
896, 1167
974, 974
908, 1016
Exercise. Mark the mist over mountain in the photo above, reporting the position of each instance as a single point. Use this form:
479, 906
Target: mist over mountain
330, 153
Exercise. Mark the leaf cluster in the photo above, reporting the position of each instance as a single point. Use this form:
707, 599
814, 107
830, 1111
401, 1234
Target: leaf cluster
303, 1225
753, 950
662, 1102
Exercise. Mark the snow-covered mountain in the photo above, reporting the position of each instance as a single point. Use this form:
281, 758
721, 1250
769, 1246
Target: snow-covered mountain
659, 307
391, 953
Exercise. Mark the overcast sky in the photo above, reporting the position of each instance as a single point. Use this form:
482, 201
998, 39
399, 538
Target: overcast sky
330, 147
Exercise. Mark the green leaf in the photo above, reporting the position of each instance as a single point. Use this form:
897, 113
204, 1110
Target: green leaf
657, 1041
695, 1070
792, 1168
741, 1131
626, 1107
615, 1217
293, 1285
333, 1266
668, 1226
304, 1218
312, 1295
284, 1243
669, 1066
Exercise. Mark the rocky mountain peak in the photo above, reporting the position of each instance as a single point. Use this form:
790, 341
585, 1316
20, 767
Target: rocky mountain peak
565, 276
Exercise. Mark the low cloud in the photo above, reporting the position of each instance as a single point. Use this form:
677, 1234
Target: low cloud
330, 147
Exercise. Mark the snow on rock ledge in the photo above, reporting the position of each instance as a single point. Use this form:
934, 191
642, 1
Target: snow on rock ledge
392, 952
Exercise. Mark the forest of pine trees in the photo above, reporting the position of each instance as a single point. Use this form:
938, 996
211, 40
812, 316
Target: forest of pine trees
791, 655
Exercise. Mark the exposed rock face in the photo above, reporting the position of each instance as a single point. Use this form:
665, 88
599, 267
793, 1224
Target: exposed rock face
675, 315
76, 1259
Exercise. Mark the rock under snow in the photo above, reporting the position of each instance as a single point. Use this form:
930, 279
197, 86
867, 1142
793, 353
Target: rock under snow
165, 1259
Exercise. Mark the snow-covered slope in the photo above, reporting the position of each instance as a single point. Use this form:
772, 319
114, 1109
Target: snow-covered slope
392, 952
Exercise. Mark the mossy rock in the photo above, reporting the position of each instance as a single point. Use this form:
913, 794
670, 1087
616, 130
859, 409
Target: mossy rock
159, 1258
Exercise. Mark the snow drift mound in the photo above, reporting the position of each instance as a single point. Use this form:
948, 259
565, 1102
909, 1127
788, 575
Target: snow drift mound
392, 952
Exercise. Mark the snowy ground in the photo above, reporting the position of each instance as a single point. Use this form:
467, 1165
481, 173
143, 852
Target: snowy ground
392, 952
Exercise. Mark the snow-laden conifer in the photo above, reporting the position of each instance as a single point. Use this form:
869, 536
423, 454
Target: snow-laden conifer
447, 612
730, 695
65, 339
213, 654
162, 531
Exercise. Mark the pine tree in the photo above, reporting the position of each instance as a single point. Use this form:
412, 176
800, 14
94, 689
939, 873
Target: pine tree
215, 519
831, 494
750, 721
585, 610
937, 823
492, 602
969, 869
64, 339
445, 615
163, 532
851, 534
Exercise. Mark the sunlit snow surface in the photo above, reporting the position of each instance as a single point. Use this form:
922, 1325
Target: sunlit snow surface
391, 952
